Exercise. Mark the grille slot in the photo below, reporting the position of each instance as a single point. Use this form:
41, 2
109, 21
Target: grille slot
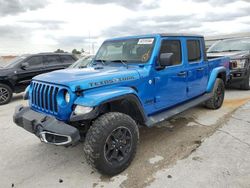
43, 97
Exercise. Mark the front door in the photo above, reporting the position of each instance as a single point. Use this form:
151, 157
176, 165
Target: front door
171, 82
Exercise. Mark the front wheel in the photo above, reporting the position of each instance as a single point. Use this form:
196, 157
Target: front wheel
5, 94
111, 142
218, 95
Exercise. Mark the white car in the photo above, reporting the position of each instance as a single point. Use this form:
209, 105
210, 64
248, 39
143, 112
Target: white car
82, 62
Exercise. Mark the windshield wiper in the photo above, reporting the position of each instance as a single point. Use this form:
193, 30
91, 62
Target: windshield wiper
223, 51
124, 62
230, 50
214, 51
101, 61
82, 67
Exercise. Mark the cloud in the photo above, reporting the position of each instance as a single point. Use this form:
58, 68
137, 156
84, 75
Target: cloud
144, 25
225, 16
130, 4
12, 7
71, 40
219, 2
193, 23
10, 32
45, 24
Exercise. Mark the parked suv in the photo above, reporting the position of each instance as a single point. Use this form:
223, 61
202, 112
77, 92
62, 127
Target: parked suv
239, 52
16, 75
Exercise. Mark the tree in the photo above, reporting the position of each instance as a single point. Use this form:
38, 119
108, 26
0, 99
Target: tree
75, 51
60, 51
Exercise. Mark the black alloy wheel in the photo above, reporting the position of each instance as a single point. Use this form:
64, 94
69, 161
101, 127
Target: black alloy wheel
118, 145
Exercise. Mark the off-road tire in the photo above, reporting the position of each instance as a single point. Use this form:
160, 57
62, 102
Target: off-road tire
96, 141
246, 83
218, 95
5, 94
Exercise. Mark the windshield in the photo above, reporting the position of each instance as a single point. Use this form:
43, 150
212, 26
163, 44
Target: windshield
14, 62
231, 45
82, 63
131, 50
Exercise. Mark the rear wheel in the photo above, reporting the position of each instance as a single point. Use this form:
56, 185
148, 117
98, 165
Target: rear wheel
246, 83
5, 94
111, 142
218, 95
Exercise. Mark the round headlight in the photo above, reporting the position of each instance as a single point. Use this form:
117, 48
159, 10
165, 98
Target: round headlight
67, 97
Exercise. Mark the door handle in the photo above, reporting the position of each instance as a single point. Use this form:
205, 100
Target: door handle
200, 69
182, 74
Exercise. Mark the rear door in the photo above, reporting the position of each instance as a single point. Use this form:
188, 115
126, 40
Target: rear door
197, 67
53, 62
171, 82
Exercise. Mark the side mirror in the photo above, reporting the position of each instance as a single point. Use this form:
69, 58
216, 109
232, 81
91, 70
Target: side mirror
166, 59
24, 65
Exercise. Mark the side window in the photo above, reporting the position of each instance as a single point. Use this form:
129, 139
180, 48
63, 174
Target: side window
67, 59
36, 61
53, 60
194, 50
172, 46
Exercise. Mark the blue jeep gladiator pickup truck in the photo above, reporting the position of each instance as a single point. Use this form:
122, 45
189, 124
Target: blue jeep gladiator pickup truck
137, 80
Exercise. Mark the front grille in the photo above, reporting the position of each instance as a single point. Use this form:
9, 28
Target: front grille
43, 97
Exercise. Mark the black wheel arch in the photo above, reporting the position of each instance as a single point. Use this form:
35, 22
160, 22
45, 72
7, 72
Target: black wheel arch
223, 76
128, 104
8, 83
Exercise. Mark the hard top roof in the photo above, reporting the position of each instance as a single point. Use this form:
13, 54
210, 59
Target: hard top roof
155, 35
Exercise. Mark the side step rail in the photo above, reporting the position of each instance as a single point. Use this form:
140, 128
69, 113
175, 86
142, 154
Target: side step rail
176, 110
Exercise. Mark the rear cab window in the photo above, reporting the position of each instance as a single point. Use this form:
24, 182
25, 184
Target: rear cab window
194, 50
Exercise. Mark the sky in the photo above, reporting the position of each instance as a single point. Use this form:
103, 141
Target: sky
45, 25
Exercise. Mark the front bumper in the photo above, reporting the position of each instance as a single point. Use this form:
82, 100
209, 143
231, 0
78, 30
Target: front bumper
47, 128
237, 75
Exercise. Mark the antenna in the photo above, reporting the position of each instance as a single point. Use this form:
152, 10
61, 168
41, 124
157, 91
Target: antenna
89, 43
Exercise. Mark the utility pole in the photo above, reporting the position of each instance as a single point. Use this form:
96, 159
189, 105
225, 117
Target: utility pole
89, 43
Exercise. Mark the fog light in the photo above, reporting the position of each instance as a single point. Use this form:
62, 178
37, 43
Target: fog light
82, 110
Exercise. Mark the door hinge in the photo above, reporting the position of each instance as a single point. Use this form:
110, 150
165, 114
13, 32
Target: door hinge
157, 99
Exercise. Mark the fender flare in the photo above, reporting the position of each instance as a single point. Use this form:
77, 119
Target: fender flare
99, 97
213, 76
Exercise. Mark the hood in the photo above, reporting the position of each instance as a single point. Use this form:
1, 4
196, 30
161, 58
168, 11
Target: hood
89, 77
232, 55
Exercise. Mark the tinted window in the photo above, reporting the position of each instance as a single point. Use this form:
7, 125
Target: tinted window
14, 62
67, 59
36, 61
53, 60
172, 46
194, 52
